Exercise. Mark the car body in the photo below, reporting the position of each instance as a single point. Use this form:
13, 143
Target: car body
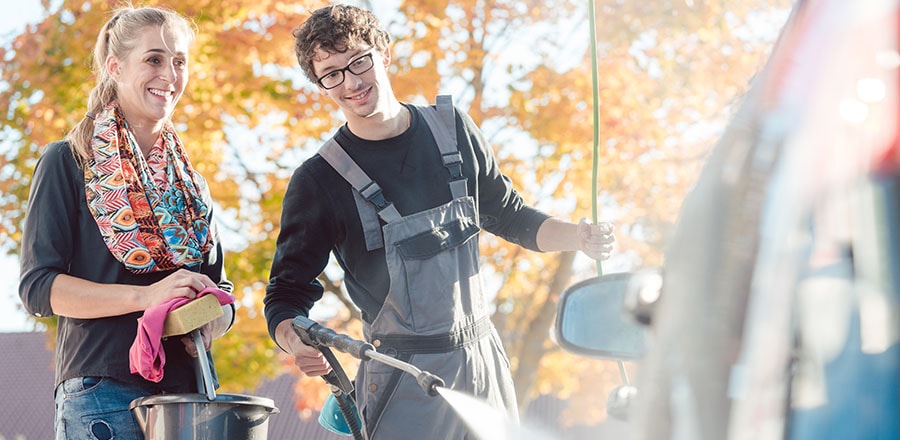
778, 309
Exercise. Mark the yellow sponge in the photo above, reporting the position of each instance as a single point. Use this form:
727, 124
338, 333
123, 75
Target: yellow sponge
192, 315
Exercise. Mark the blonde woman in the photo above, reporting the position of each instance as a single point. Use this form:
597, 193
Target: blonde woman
118, 222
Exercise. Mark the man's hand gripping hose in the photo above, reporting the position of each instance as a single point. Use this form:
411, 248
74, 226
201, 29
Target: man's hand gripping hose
313, 334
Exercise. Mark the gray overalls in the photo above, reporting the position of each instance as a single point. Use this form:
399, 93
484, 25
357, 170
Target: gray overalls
435, 315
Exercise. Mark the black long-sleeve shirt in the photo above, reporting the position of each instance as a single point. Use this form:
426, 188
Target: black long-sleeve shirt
319, 213
62, 237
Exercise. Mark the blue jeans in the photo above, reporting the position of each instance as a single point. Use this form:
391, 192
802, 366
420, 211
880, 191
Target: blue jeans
95, 408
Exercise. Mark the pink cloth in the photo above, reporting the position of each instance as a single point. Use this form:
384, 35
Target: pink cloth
147, 356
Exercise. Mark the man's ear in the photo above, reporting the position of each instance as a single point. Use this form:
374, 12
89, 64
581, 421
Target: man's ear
386, 56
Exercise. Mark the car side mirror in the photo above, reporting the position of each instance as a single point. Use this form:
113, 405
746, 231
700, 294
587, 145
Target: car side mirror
592, 319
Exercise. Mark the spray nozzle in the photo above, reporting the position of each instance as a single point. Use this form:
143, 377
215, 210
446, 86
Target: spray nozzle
429, 382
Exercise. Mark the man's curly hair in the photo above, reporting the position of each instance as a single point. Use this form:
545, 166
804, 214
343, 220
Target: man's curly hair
336, 29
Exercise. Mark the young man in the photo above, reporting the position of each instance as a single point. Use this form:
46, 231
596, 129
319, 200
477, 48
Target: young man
399, 195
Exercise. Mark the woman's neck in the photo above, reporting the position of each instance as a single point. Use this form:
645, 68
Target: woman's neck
146, 137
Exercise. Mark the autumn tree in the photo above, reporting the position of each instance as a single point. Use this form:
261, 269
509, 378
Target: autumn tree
668, 74
243, 123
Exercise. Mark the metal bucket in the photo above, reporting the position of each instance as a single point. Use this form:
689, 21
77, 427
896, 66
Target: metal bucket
194, 417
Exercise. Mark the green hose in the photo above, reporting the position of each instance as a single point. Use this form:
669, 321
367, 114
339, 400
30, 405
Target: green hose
596, 95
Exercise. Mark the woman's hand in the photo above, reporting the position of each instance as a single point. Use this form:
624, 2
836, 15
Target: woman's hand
180, 283
189, 345
210, 331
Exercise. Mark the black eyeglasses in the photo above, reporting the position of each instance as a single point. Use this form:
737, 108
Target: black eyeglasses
336, 77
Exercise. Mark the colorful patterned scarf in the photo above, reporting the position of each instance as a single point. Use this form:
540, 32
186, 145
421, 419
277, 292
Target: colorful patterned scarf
147, 226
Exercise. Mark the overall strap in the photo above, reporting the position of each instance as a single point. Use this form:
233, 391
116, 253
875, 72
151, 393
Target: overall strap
441, 119
365, 190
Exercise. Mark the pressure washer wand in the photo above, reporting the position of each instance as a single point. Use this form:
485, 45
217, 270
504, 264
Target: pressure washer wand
428, 381
312, 333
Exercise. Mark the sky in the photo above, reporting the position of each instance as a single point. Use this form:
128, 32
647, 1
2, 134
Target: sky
14, 15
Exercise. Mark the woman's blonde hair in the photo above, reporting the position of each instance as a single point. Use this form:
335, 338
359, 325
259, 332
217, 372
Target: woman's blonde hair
118, 37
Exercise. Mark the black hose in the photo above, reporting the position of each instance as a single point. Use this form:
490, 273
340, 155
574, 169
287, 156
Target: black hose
345, 404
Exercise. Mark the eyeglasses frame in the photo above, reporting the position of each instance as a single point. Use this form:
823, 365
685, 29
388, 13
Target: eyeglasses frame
345, 69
